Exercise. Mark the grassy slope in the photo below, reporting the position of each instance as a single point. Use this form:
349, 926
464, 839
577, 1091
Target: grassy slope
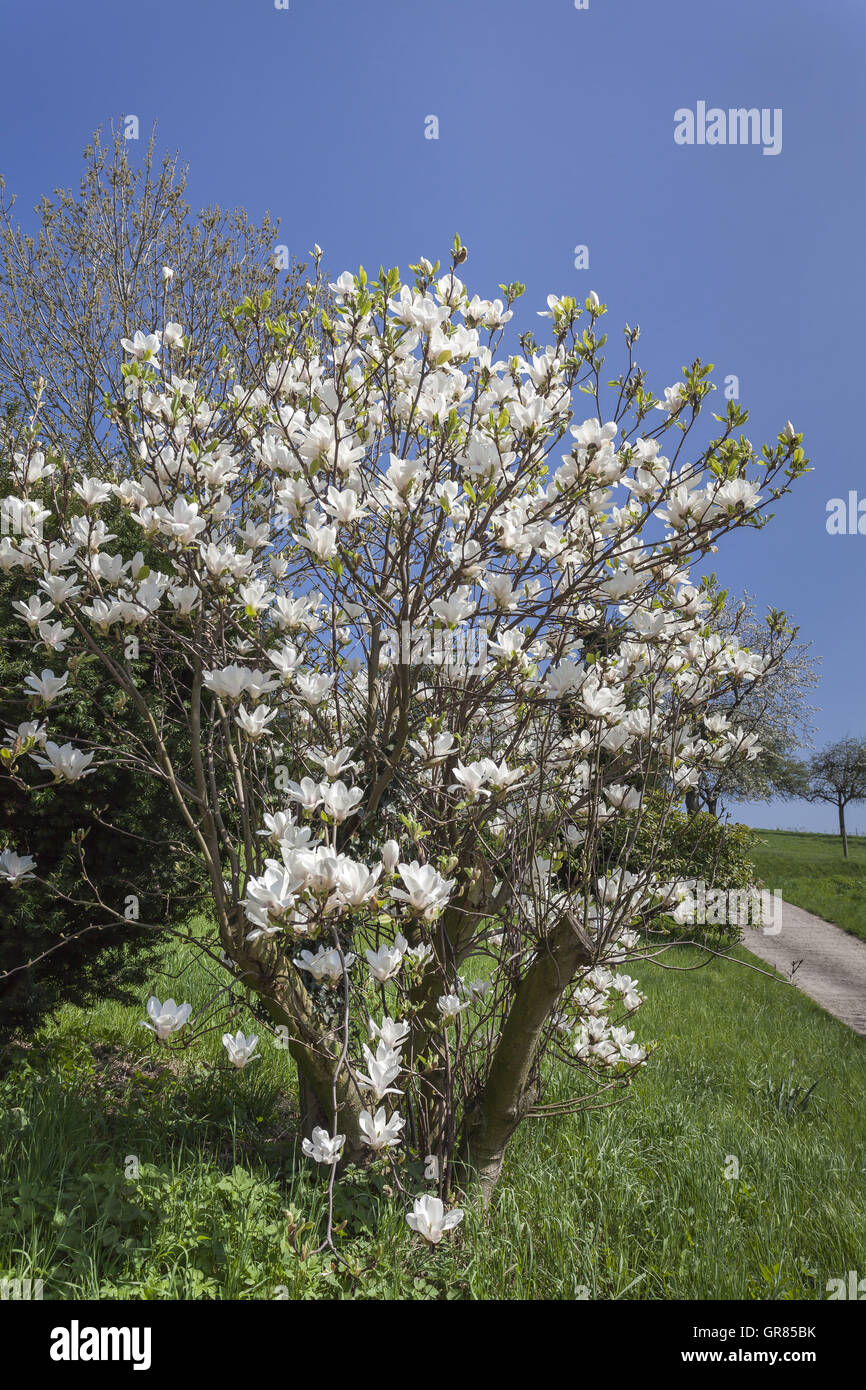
631, 1202
812, 873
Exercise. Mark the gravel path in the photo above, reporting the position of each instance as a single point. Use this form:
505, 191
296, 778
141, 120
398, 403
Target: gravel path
833, 972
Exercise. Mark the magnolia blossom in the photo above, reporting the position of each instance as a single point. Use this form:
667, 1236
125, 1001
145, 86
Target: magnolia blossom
325, 966
420, 954
15, 868
47, 686
390, 855
66, 762
339, 801
165, 1019
429, 1218
230, 683
379, 1132
426, 891
386, 961
144, 347
322, 1148
392, 1034
449, 1006
255, 723
674, 398
240, 1049
270, 896
382, 1068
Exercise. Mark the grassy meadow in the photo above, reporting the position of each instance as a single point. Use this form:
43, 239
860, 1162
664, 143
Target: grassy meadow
812, 873
129, 1173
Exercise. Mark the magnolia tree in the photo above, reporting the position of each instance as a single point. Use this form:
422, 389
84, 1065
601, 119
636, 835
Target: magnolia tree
437, 636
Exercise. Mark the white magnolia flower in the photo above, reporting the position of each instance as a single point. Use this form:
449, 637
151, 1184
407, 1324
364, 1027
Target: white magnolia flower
479, 989
66, 762
230, 683
173, 335
622, 798
356, 883
339, 801
323, 1148
390, 855
240, 1049
321, 541
391, 1032
92, 491
426, 890
30, 729
15, 868
47, 686
385, 963
449, 1006
429, 1218
563, 678
421, 954
143, 346
470, 779
255, 723
165, 1019
313, 689
378, 1131
333, 764
325, 965
307, 793
383, 1068
34, 610
674, 398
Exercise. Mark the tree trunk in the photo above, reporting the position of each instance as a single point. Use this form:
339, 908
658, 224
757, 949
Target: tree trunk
693, 804
286, 1001
509, 1091
842, 830
313, 1113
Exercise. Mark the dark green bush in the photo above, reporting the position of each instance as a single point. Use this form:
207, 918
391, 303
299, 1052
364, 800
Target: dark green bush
682, 846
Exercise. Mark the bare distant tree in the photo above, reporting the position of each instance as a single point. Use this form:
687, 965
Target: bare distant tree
92, 272
838, 775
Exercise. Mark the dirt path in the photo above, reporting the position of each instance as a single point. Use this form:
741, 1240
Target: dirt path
833, 972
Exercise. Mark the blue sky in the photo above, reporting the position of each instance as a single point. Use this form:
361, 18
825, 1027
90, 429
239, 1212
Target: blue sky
556, 129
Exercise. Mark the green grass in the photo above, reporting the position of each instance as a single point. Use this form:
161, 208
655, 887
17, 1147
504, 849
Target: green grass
811, 872
625, 1203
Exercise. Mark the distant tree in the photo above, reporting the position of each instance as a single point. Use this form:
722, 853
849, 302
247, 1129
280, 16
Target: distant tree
771, 707
122, 254
838, 775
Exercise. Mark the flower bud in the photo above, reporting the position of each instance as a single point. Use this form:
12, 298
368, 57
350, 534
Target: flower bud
594, 300
390, 855
167, 274
789, 432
